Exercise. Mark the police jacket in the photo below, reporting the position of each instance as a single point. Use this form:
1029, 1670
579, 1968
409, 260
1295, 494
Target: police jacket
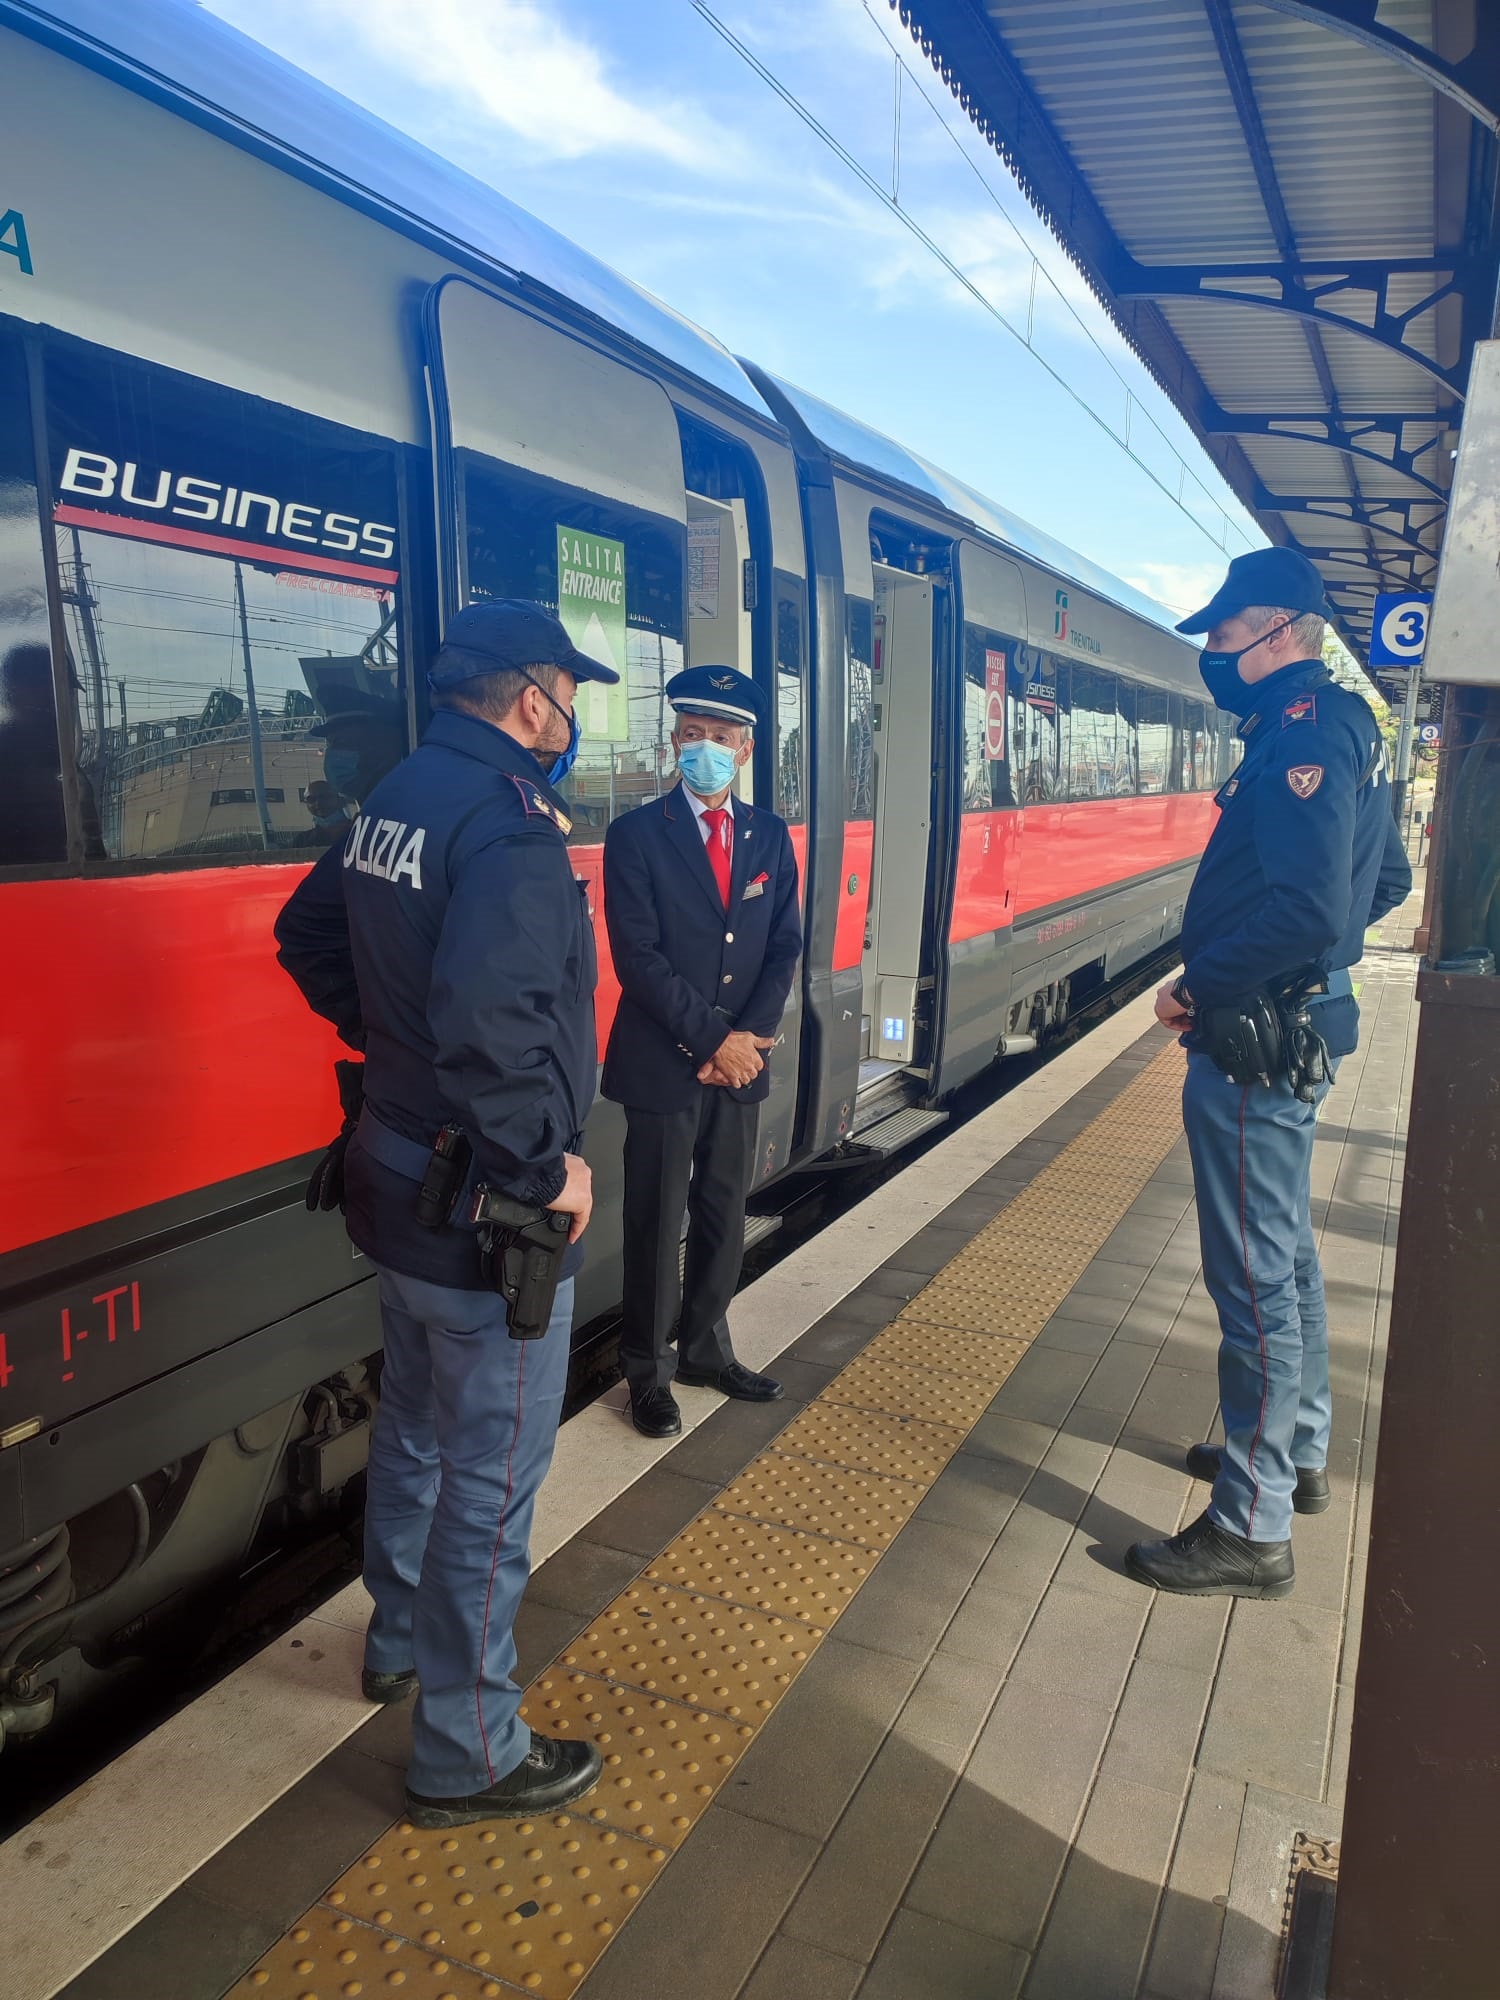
689, 969
449, 938
1305, 854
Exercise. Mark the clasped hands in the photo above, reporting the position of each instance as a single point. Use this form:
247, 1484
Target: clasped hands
737, 1060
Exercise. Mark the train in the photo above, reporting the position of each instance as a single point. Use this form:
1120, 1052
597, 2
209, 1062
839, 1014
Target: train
279, 391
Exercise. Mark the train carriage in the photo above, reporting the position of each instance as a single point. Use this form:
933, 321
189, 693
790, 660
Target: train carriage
279, 391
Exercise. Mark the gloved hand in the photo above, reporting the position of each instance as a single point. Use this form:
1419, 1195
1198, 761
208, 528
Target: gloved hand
325, 1189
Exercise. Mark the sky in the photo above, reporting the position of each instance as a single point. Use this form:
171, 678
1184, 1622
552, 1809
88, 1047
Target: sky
642, 135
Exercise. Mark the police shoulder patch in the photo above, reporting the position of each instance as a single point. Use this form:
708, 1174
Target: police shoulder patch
1303, 709
1305, 779
536, 802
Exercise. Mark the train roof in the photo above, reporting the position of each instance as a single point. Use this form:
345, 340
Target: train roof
870, 450
175, 51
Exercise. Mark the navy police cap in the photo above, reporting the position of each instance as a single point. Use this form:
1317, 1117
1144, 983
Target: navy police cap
1280, 579
717, 691
508, 633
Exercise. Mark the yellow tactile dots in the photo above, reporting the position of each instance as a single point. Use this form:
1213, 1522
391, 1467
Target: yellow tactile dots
695, 1649
746, 1562
674, 1678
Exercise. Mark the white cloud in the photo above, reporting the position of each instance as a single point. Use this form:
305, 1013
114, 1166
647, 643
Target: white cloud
514, 62
1182, 587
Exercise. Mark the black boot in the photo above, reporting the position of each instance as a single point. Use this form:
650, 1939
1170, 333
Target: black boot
1310, 1497
386, 1688
550, 1776
1206, 1560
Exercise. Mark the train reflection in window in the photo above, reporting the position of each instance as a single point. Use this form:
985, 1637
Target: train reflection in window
227, 707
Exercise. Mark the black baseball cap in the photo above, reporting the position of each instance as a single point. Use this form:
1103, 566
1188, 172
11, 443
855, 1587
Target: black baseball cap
1280, 578
722, 691
511, 633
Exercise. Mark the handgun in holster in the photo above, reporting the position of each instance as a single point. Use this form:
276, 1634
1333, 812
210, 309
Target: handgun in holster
1269, 1034
521, 1255
1306, 1052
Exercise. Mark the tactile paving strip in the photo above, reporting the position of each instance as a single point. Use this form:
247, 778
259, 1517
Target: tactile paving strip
695, 1649
328, 1956
770, 1569
905, 1389
532, 1903
662, 1761
688, 1660
868, 1441
856, 1507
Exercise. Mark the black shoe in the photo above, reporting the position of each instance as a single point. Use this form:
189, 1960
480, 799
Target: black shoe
655, 1413
386, 1688
550, 1776
742, 1383
1311, 1495
1206, 1560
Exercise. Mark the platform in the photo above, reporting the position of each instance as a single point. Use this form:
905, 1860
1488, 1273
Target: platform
881, 1713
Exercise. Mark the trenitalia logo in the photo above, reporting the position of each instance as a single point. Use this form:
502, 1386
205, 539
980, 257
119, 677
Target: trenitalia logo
285, 524
1060, 615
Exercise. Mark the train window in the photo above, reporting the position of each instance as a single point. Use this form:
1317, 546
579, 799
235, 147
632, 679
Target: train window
1197, 762
859, 795
987, 657
1153, 716
791, 698
600, 564
228, 575
1033, 725
33, 826
1127, 739
1090, 733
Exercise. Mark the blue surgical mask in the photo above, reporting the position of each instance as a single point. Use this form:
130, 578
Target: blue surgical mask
341, 768
565, 759
706, 768
1221, 674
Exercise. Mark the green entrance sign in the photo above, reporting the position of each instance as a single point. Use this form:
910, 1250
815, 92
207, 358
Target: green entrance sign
591, 605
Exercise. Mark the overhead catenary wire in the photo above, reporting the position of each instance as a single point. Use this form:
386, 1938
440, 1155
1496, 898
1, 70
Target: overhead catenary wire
889, 200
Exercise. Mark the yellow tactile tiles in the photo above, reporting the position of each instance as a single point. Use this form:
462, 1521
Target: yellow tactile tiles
675, 1677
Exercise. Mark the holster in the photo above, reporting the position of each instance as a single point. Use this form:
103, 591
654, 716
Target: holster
521, 1256
1269, 1034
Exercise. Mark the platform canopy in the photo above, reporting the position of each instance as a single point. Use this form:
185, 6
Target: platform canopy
1288, 208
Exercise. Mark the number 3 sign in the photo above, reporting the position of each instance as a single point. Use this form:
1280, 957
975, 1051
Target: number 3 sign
1398, 634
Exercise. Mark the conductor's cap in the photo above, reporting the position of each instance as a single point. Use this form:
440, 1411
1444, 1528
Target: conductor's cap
720, 691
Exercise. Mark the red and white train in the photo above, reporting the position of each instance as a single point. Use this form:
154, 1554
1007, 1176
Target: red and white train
278, 391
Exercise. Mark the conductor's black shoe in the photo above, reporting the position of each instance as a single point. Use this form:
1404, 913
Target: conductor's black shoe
736, 1380
1206, 1560
1311, 1495
550, 1776
386, 1688
655, 1413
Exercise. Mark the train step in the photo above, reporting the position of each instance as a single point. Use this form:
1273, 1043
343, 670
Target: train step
891, 1134
757, 1229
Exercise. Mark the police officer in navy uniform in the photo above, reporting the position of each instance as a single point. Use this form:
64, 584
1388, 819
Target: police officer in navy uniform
448, 938
1304, 857
700, 896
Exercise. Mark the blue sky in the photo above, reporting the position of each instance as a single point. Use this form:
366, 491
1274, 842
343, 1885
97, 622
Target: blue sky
639, 133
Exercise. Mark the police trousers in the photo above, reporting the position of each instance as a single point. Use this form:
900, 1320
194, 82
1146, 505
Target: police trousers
1251, 1149
696, 1161
463, 1438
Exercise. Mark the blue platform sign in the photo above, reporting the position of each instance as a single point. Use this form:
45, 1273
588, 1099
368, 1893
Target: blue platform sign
1398, 635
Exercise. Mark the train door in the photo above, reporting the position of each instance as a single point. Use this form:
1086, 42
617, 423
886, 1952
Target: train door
901, 751
560, 477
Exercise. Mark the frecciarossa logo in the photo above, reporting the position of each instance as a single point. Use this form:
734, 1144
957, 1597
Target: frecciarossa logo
199, 513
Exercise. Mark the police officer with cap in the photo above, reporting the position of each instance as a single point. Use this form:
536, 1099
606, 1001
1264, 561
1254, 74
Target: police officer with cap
1303, 858
449, 940
700, 895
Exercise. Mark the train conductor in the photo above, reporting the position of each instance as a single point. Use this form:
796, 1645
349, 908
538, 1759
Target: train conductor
700, 896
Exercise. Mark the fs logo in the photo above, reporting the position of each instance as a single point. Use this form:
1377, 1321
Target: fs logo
1060, 615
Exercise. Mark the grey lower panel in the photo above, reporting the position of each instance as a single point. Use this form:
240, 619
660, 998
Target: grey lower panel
63, 1471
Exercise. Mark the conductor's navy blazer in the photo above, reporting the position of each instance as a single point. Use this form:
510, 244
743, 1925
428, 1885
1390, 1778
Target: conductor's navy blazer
689, 969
